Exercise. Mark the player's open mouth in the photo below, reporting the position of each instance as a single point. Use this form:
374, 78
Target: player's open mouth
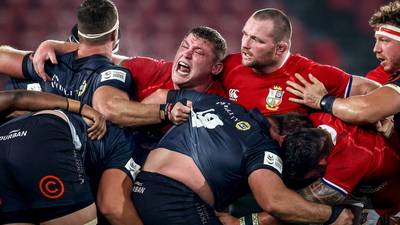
246, 54
183, 68
381, 60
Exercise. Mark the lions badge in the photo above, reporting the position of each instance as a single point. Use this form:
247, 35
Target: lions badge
274, 98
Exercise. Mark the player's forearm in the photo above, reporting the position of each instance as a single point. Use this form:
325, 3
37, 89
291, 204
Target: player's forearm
266, 219
284, 204
11, 61
291, 207
356, 110
322, 193
60, 47
129, 113
30, 100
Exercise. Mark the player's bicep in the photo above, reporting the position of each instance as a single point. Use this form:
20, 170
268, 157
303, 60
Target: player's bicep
322, 193
362, 86
11, 61
106, 100
370, 108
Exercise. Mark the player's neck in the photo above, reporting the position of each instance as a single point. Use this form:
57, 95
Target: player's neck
203, 88
270, 69
85, 50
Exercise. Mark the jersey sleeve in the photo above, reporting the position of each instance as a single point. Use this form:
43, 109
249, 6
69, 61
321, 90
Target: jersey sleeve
175, 96
344, 171
264, 155
378, 75
28, 70
336, 81
119, 146
116, 77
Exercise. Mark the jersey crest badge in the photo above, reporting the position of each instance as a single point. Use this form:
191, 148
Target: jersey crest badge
243, 125
82, 88
274, 98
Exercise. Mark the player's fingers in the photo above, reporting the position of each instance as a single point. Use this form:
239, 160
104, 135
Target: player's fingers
40, 70
295, 85
301, 79
296, 100
100, 132
185, 109
184, 115
314, 79
52, 57
189, 104
98, 128
295, 92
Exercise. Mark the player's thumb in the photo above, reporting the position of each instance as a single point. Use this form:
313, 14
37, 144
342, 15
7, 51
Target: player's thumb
52, 57
189, 104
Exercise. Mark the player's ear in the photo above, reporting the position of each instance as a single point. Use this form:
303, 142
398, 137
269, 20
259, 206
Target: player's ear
217, 68
281, 48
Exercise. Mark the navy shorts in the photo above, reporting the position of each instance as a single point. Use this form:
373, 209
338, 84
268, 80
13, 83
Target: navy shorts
160, 200
40, 169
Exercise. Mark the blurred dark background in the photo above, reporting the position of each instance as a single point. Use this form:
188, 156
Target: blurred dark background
334, 32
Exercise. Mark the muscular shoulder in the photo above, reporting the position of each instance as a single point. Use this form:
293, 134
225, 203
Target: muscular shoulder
378, 75
231, 62
140, 64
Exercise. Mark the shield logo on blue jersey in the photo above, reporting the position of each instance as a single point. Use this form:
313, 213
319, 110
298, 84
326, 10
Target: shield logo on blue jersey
82, 88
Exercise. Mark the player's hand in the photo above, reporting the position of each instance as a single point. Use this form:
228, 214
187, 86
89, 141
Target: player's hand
180, 113
227, 219
44, 52
47, 51
345, 218
98, 127
310, 94
385, 126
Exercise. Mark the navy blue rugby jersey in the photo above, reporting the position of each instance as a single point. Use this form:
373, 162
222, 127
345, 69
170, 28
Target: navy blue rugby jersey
30, 85
114, 150
226, 142
79, 78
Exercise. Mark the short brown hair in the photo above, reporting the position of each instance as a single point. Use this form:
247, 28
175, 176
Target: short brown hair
282, 25
96, 16
387, 14
212, 36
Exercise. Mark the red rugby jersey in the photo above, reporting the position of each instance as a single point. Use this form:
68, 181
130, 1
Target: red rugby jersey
151, 74
378, 75
267, 91
361, 159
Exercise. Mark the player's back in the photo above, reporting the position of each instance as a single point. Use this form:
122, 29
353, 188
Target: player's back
79, 78
371, 148
223, 139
